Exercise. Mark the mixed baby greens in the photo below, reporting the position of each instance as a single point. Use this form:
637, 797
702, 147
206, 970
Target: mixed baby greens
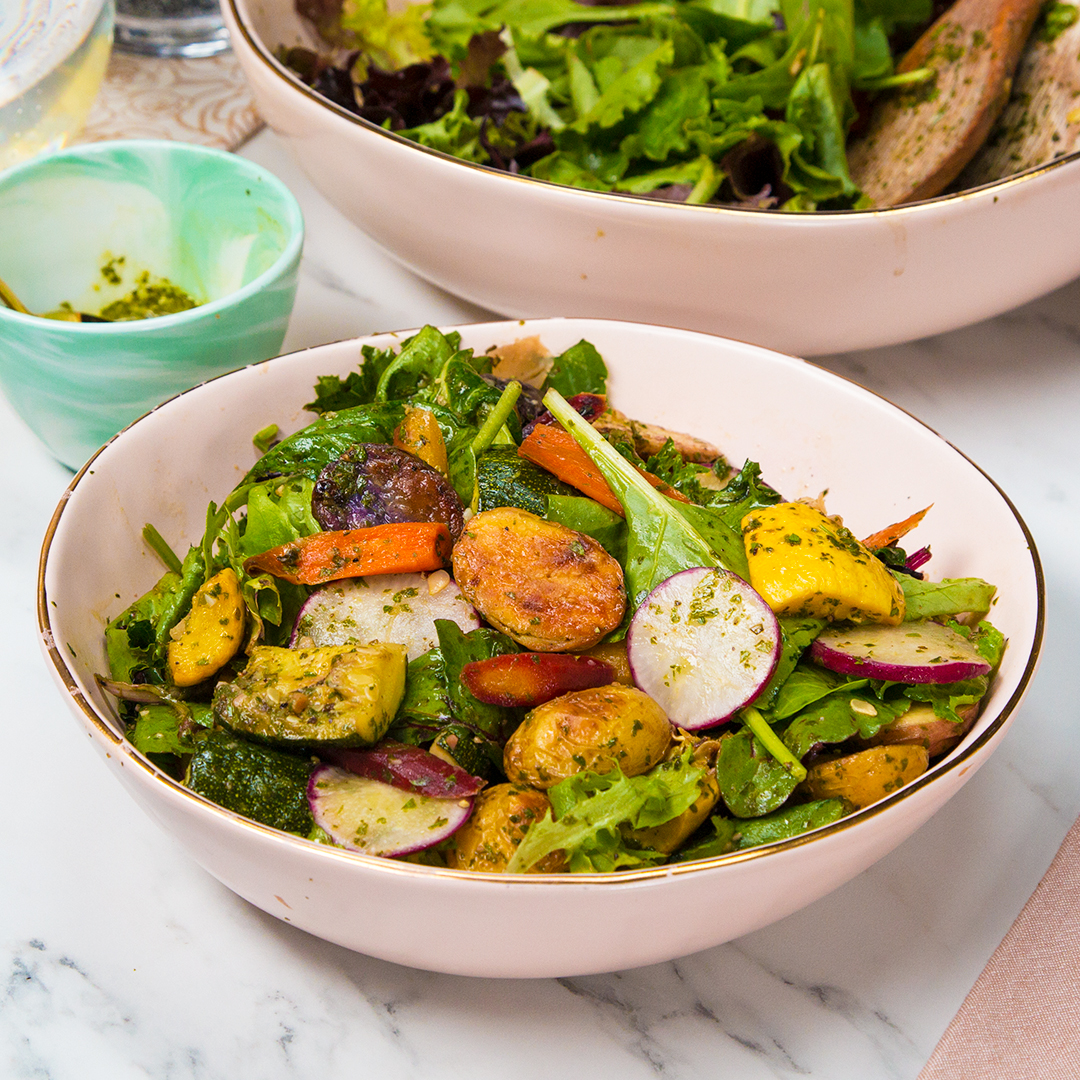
746, 102
244, 671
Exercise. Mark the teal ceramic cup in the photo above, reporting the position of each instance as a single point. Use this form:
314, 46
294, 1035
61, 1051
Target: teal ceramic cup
219, 227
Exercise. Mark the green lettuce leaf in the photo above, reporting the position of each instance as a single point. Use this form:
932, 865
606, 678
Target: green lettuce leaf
458, 649
796, 634
589, 517
590, 807
832, 719
952, 596
579, 370
752, 782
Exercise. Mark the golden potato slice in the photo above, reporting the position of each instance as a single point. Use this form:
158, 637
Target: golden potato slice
500, 819
867, 776
592, 730
550, 588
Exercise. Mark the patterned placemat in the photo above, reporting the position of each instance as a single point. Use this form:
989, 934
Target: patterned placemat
203, 101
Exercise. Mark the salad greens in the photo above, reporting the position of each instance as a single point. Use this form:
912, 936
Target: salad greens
734, 101
746, 780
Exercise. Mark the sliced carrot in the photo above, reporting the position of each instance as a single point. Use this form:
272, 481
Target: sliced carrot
404, 548
556, 450
529, 679
884, 538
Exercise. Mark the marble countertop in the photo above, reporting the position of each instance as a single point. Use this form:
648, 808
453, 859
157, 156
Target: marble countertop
122, 958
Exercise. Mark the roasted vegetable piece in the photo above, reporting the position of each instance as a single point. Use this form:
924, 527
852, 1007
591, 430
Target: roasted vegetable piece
339, 695
500, 819
505, 478
804, 563
263, 784
407, 548
529, 679
591, 730
558, 451
211, 633
389, 607
920, 725
916, 652
419, 433
549, 588
374, 484
614, 654
867, 776
367, 815
409, 768
888, 536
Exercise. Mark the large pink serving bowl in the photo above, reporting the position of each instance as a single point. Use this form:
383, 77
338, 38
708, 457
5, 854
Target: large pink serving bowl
811, 430
807, 284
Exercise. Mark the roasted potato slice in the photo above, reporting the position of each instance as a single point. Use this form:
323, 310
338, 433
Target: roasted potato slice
867, 776
593, 729
548, 587
920, 725
500, 819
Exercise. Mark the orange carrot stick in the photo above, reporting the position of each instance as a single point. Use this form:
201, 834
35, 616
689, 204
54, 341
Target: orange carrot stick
887, 537
402, 548
557, 450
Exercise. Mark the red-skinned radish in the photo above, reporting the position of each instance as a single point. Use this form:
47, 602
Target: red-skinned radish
702, 644
399, 608
913, 652
409, 768
529, 679
379, 819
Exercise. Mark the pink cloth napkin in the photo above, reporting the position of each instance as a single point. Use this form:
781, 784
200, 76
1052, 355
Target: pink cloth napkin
1021, 1020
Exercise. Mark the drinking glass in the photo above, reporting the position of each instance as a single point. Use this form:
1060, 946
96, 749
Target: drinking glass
53, 55
190, 28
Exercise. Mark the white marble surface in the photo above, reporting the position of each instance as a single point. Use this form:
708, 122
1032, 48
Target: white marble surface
121, 958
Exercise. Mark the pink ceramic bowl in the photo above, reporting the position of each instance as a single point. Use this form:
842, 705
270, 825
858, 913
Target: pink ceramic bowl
804, 283
809, 429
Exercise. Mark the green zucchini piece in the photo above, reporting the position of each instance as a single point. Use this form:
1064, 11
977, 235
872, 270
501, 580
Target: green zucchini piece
334, 695
258, 782
505, 479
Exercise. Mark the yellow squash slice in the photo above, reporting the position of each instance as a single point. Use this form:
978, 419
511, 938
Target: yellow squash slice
804, 563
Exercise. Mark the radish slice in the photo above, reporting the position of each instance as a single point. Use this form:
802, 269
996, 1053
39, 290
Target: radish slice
379, 819
702, 645
398, 608
409, 768
914, 652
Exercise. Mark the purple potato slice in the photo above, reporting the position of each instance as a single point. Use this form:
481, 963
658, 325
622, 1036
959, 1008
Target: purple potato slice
376, 484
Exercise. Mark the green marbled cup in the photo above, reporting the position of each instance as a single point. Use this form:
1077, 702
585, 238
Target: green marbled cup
221, 228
